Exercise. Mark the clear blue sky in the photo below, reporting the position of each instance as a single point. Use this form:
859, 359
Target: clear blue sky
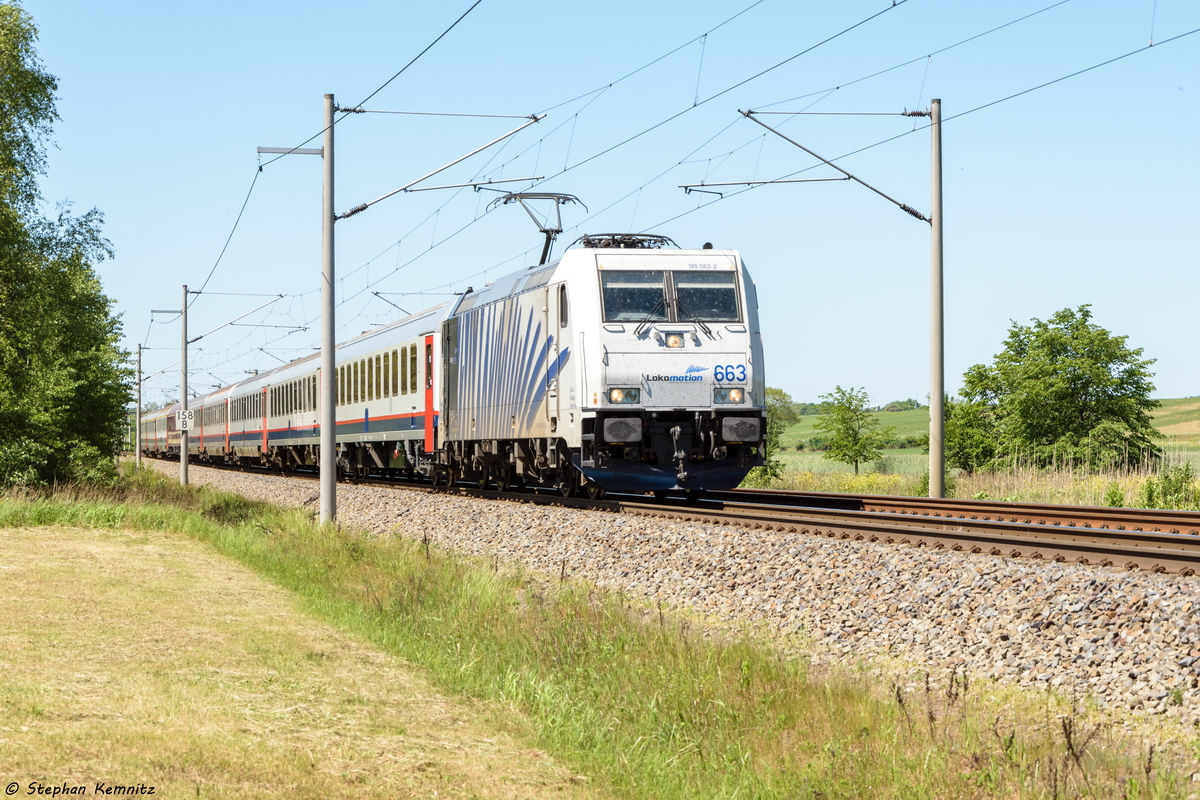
1080, 192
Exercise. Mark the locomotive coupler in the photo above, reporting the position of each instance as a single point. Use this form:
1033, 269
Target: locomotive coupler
680, 456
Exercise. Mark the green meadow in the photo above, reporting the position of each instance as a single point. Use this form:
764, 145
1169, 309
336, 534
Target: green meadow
901, 470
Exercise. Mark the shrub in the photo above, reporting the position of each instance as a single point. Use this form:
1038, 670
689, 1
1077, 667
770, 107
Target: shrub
948, 484
1177, 488
1148, 494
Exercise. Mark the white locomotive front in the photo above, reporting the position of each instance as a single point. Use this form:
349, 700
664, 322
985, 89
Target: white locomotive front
623, 366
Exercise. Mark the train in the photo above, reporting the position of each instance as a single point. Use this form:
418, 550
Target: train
626, 365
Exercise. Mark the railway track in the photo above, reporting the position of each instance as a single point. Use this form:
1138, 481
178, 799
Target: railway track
1132, 539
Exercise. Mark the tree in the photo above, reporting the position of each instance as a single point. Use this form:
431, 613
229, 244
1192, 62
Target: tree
854, 435
969, 435
1067, 391
781, 415
64, 381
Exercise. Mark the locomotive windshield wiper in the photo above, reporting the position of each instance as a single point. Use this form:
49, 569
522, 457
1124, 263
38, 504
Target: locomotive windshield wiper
662, 301
683, 314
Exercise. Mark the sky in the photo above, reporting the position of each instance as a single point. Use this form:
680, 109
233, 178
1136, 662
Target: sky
1066, 180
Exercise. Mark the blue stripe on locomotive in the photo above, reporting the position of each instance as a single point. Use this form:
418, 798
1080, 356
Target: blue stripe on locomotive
503, 370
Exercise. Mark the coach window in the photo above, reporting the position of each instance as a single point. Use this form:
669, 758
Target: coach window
395, 374
562, 306
428, 366
378, 377
352, 374
341, 389
412, 366
387, 374
404, 370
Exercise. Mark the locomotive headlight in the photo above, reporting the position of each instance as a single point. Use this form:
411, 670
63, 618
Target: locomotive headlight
624, 395
675, 340
732, 395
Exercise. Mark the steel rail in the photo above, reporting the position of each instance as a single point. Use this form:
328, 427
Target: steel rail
1134, 519
1090, 535
1144, 550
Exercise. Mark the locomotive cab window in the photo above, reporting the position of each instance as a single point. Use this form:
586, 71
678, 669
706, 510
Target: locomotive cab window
706, 296
634, 295
653, 296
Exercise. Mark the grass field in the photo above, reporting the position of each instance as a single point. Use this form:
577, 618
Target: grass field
216, 647
900, 471
234, 692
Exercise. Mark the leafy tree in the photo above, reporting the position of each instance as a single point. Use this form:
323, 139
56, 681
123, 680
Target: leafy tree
969, 435
1066, 390
64, 382
781, 415
854, 435
902, 405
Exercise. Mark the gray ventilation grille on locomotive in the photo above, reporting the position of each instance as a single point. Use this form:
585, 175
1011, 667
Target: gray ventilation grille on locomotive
622, 429
741, 429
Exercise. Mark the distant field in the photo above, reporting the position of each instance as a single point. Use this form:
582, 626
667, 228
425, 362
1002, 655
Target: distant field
1177, 419
907, 423
1179, 422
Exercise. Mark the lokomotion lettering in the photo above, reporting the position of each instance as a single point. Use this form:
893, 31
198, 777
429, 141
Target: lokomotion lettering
674, 378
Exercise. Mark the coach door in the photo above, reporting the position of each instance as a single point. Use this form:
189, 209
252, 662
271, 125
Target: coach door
265, 410
429, 394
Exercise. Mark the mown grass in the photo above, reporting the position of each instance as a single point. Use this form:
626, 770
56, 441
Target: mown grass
147, 658
644, 702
